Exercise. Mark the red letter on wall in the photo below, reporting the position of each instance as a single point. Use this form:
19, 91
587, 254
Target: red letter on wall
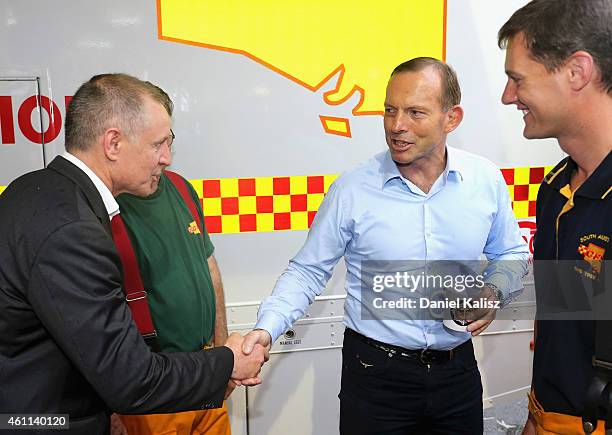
24, 117
7, 127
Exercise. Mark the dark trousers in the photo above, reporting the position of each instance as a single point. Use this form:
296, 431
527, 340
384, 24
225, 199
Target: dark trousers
382, 395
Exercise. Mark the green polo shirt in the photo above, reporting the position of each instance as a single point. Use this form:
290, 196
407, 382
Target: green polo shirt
172, 256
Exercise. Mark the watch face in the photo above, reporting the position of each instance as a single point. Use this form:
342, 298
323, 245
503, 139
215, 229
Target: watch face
459, 316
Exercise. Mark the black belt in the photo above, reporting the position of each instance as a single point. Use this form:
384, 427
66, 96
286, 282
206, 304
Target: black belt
425, 356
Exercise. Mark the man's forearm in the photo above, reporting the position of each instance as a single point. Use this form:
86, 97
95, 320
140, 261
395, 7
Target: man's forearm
220, 333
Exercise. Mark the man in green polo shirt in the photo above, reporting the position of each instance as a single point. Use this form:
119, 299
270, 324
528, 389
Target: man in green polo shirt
185, 293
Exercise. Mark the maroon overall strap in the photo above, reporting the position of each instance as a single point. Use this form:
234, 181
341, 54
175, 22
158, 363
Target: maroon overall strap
135, 293
180, 184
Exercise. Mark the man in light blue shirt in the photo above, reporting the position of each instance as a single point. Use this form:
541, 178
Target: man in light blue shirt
420, 200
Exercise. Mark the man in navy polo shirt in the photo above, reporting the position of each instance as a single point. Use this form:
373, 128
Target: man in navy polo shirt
559, 68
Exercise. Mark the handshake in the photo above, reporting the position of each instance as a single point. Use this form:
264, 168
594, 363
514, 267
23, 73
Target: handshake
250, 353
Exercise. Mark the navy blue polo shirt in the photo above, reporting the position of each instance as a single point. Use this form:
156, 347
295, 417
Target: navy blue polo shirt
574, 227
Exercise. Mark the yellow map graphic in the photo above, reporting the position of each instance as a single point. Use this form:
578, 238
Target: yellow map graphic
313, 41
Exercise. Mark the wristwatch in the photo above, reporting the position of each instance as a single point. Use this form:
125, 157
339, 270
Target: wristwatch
496, 291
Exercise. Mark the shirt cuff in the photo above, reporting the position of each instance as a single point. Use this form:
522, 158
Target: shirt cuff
272, 323
502, 283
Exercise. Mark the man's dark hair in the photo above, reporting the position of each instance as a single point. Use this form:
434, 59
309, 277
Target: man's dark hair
108, 100
451, 92
555, 29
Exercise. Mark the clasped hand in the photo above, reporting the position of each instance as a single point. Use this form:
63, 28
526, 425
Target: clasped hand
250, 353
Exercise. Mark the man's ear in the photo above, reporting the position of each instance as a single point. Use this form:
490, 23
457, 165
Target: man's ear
581, 68
454, 116
112, 143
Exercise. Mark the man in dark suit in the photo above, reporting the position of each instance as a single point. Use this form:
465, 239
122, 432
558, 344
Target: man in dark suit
68, 344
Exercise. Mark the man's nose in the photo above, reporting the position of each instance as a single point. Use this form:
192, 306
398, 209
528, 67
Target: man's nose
509, 94
165, 158
399, 123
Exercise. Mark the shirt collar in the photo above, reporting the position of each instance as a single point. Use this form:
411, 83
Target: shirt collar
112, 208
454, 165
597, 186
389, 169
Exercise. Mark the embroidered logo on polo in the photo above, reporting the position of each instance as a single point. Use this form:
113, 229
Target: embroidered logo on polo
193, 228
592, 253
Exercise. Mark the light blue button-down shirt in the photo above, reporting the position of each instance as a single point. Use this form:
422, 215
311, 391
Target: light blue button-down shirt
374, 213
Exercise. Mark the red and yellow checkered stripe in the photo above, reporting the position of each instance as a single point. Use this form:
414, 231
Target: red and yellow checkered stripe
239, 205
523, 185
262, 204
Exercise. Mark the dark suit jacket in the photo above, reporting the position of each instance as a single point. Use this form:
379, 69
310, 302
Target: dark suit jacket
67, 340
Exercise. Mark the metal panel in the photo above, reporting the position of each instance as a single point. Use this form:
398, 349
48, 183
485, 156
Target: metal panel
300, 396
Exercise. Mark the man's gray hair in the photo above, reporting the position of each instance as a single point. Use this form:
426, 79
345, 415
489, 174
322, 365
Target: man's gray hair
108, 100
